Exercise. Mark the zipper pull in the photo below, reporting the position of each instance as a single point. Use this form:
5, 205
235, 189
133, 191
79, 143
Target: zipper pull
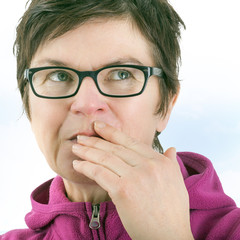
95, 222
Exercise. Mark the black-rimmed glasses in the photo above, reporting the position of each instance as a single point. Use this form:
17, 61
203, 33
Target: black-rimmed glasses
111, 81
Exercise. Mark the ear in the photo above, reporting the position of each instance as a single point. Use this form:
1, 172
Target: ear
163, 121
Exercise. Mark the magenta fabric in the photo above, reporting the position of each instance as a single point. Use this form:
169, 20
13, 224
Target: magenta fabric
214, 215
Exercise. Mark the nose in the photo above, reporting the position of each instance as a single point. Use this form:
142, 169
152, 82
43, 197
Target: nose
88, 100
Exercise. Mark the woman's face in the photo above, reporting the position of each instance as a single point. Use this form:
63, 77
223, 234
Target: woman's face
56, 122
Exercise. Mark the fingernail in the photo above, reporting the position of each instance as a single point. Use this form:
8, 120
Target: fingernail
99, 124
82, 138
75, 147
75, 163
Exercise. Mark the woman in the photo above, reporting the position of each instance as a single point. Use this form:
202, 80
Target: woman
99, 80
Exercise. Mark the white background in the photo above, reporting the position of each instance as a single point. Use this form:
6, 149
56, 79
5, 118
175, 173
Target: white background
206, 118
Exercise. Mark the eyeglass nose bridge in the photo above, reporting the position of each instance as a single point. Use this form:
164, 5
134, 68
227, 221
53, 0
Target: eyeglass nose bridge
84, 74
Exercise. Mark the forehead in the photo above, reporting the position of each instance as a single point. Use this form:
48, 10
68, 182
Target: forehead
95, 44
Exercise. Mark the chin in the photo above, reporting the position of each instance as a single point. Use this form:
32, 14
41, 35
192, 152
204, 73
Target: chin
78, 178
67, 172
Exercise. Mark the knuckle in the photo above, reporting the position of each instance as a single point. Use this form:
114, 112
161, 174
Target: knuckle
85, 151
96, 171
118, 148
151, 166
132, 142
122, 191
104, 158
114, 135
125, 189
96, 141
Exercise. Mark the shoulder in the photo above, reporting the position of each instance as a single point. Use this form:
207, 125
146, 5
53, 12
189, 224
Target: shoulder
214, 215
202, 182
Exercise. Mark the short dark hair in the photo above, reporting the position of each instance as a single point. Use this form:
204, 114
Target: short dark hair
157, 21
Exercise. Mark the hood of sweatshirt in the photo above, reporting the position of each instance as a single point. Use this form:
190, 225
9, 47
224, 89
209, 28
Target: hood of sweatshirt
208, 204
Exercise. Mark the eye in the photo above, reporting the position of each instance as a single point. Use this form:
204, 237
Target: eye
120, 75
59, 76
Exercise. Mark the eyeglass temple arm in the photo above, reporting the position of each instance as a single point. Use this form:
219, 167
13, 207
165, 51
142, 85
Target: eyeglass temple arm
157, 71
26, 74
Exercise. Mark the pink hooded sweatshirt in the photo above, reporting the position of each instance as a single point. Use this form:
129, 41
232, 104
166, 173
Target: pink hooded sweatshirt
214, 216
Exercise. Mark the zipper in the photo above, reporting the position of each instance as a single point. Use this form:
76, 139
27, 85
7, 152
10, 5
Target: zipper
95, 220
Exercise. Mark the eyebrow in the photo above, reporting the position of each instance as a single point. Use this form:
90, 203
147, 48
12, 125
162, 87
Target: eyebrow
122, 61
51, 62
118, 61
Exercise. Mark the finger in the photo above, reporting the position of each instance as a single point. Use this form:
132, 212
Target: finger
171, 153
118, 137
100, 157
128, 156
102, 176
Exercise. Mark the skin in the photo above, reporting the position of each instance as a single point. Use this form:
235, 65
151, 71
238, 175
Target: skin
112, 159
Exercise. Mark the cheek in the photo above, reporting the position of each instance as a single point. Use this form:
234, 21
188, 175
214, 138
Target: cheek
137, 119
46, 120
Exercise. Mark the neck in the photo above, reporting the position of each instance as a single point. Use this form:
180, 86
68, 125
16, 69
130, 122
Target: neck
85, 192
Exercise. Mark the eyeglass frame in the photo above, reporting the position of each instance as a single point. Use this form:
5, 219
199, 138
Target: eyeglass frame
147, 71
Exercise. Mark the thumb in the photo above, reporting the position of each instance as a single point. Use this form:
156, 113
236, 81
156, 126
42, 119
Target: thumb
171, 153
